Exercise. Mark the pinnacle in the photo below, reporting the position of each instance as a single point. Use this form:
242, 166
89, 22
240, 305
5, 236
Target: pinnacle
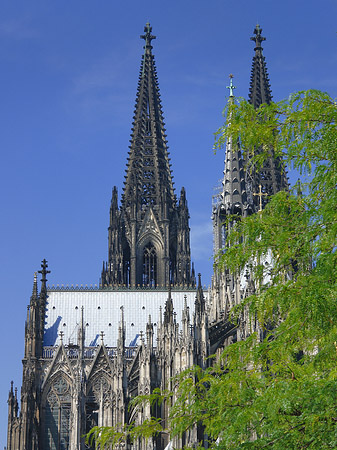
35, 292
259, 91
148, 166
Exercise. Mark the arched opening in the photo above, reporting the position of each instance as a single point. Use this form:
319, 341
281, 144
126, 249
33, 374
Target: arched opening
91, 415
56, 434
149, 276
100, 403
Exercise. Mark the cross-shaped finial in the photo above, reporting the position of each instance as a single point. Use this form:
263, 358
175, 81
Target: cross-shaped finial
231, 87
258, 38
148, 36
260, 194
61, 336
44, 273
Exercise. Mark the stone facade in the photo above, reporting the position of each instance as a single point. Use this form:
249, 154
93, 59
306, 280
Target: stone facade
74, 380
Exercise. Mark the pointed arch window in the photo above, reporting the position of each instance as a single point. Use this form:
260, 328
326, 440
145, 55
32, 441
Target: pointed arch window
149, 265
56, 434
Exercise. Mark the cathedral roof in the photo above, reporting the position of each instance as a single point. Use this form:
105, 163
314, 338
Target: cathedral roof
102, 312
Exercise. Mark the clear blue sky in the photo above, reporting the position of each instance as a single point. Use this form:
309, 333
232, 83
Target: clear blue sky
68, 82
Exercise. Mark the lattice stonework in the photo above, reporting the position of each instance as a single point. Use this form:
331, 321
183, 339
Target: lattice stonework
272, 176
148, 195
57, 408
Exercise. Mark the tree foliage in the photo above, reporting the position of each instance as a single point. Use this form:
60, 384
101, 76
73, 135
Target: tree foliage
279, 392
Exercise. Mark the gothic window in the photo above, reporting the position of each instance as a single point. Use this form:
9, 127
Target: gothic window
148, 128
57, 416
91, 415
149, 265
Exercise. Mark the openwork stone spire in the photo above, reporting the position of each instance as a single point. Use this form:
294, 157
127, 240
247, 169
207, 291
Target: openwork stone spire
233, 198
234, 192
148, 172
149, 233
271, 176
259, 91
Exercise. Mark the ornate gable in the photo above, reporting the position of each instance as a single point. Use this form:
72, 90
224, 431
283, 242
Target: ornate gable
60, 364
150, 229
101, 363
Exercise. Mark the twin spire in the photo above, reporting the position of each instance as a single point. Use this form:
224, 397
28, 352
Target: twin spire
259, 91
148, 172
243, 182
149, 232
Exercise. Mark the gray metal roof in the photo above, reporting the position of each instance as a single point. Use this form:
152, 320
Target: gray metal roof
102, 312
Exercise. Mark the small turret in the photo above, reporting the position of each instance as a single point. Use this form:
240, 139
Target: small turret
44, 272
199, 299
149, 334
35, 293
13, 408
81, 334
10, 401
114, 207
168, 313
186, 318
33, 337
121, 333
234, 195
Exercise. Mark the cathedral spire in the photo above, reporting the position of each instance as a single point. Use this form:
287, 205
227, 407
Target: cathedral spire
148, 171
234, 193
259, 91
149, 234
271, 176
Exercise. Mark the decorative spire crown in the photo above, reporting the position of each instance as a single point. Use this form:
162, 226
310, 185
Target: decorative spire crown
259, 91
258, 38
148, 37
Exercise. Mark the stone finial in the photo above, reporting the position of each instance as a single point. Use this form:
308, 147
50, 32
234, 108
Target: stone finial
44, 273
258, 38
148, 37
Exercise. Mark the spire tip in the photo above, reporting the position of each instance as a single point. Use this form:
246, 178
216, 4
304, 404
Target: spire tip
148, 37
231, 87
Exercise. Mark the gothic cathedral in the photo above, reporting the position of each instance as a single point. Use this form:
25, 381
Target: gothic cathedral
89, 352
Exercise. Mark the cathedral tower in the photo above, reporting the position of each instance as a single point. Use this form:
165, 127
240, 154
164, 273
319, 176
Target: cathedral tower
149, 243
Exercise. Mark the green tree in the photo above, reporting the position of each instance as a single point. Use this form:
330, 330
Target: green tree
279, 392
